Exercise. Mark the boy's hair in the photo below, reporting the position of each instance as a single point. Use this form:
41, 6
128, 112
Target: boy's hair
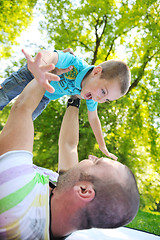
117, 70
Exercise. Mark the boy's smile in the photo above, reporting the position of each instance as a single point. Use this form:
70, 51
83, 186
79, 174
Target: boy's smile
99, 89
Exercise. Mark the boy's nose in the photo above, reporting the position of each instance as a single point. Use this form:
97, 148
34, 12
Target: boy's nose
100, 99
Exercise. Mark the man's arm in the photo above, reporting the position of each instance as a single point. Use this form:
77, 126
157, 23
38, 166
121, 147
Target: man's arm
68, 139
97, 130
18, 132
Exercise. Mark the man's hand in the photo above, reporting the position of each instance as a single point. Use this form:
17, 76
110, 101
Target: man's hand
58, 71
40, 70
107, 153
70, 50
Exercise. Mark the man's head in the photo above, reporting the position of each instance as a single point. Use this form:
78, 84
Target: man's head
108, 81
108, 190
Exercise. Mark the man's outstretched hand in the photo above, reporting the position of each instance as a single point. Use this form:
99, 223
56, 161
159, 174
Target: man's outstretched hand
40, 70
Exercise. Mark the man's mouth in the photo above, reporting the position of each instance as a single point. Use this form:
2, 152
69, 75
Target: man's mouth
88, 96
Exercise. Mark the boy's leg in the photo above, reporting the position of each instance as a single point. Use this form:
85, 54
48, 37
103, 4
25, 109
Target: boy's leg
42, 105
14, 85
18, 132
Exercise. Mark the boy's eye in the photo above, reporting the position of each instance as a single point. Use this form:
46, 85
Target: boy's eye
107, 101
103, 92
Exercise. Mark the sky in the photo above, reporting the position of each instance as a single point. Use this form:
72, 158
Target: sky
28, 40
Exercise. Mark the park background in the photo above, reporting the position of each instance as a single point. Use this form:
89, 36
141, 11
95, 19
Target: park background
97, 31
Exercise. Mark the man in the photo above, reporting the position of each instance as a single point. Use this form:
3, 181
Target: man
93, 193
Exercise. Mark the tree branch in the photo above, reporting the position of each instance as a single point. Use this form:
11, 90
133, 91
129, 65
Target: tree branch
111, 46
83, 44
147, 59
99, 38
110, 49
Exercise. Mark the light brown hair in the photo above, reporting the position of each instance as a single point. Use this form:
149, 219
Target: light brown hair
117, 70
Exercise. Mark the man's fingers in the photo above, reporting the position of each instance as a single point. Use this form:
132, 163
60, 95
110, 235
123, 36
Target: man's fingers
67, 69
70, 50
27, 55
51, 77
61, 71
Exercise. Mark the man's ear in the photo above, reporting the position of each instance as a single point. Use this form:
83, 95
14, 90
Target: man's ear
84, 191
97, 70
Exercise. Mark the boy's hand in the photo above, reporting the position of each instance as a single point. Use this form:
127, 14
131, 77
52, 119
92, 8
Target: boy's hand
41, 71
107, 153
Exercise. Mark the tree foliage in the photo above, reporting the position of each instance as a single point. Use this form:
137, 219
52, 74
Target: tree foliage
98, 29
15, 16
102, 30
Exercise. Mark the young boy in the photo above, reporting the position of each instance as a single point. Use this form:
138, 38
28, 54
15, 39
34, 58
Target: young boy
103, 83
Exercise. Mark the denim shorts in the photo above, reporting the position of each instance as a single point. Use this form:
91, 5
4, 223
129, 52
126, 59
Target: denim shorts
14, 85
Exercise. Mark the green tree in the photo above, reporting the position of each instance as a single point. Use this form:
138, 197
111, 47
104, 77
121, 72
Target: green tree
47, 127
4, 116
98, 29
131, 124
15, 16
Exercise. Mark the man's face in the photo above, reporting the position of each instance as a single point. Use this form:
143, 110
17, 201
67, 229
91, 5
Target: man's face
103, 168
100, 90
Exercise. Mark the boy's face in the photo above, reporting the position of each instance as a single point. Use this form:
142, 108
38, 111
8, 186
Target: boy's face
99, 89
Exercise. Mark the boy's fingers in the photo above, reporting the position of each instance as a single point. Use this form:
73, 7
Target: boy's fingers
27, 55
38, 58
48, 87
51, 77
48, 67
113, 156
92, 157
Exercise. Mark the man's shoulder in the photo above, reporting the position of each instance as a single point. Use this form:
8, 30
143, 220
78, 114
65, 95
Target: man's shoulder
53, 176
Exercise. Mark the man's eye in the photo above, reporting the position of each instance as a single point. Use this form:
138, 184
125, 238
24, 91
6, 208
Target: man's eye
103, 92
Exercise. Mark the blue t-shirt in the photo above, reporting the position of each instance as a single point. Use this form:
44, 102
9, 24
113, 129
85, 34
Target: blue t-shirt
70, 82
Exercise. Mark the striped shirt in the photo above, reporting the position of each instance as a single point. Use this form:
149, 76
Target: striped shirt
24, 197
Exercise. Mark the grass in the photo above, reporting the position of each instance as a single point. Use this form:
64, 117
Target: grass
146, 221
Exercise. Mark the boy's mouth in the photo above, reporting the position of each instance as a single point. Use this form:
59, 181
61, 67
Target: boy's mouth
88, 96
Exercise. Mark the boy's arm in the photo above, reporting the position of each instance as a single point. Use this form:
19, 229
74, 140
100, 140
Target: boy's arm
68, 139
97, 130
